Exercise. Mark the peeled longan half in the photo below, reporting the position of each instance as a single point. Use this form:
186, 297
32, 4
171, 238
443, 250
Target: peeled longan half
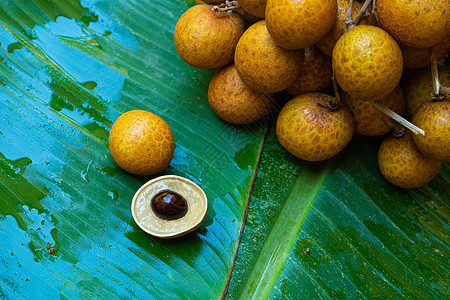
297, 24
367, 62
233, 101
369, 120
417, 24
141, 142
206, 39
402, 164
264, 66
316, 74
311, 131
157, 224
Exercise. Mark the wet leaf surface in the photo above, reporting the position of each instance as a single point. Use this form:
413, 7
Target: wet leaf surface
68, 69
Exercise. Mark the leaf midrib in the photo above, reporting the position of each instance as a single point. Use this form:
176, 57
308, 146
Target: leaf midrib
273, 256
250, 191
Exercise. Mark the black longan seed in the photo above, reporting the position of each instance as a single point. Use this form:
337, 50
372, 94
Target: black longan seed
169, 205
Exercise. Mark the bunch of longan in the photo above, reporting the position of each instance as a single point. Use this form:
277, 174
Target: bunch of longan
342, 61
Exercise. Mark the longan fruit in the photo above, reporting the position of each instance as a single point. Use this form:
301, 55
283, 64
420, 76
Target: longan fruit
297, 24
416, 24
434, 119
205, 39
308, 129
367, 62
233, 101
402, 164
141, 142
264, 66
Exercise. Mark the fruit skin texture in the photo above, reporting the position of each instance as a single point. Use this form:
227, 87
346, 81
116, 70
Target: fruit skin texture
367, 62
418, 86
310, 131
402, 164
434, 119
326, 44
205, 39
233, 101
369, 120
421, 57
141, 142
254, 7
262, 65
415, 23
315, 75
297, 24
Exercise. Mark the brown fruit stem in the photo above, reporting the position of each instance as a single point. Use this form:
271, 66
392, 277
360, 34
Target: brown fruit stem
333, 105
444, 92
399, 129
349, 21
416, 130
364, 9
227, 6
439, 92
335, 89
374, 12
434, 73
362, 12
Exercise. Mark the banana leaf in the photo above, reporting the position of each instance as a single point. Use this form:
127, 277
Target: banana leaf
277, 227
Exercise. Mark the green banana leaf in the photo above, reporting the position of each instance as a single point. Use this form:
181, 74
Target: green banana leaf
277, 227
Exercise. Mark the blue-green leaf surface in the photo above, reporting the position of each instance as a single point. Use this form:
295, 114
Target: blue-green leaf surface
68, 69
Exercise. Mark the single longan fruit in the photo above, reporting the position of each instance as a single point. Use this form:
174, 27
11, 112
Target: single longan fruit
310, 130
233, 101
367, 62
264, 66
315, 75
205, 39
434, 119
369, 120
297, 24
402, 164
141, 142
416, 24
